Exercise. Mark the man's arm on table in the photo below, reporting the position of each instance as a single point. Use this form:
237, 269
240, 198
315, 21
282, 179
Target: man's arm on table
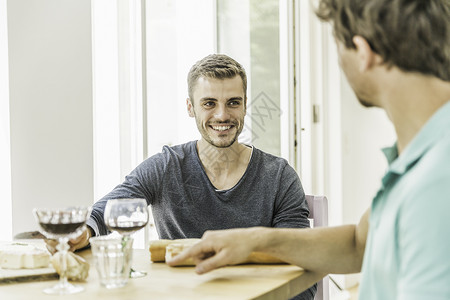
77, 243
321, 250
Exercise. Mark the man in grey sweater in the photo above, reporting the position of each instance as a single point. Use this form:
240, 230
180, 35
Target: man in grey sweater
215, 182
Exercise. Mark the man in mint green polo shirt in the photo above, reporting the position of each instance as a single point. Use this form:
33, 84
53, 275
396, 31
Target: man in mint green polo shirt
396, 56
407, 252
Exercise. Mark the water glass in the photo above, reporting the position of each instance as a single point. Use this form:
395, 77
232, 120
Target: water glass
112, 258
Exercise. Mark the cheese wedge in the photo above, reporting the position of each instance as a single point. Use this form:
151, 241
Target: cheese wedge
23, 256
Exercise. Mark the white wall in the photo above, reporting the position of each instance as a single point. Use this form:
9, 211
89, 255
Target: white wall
50, 84
364, 132
5, 169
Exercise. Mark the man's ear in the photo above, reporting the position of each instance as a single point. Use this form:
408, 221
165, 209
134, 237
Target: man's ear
190, 108
366, 56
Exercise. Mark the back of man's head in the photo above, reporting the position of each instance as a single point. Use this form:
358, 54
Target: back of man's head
218, 66
413, 35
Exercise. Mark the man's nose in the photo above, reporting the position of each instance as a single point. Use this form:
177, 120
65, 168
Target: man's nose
222, 113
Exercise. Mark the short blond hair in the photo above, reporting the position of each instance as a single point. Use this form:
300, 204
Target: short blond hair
219, 66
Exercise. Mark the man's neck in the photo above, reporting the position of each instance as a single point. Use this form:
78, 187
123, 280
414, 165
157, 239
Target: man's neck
410, 100
224, 166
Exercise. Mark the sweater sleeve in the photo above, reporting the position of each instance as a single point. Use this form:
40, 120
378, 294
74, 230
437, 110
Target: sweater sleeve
143, 182
291, 209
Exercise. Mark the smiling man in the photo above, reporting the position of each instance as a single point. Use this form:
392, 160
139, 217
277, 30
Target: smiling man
219, 107
215, 182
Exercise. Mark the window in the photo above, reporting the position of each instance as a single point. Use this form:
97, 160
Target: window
179, 33
249, 31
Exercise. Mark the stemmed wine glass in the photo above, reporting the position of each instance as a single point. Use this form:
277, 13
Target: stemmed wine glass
62, 224
126, 216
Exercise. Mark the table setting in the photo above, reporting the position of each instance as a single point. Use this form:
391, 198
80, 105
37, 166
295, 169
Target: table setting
112, 267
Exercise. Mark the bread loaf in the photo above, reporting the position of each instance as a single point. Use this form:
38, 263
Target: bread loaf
162, 250
157, 248
174, 249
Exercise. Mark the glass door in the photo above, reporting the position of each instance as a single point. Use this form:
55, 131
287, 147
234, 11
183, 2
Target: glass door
249, 31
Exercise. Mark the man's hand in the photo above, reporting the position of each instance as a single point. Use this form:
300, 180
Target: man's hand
218, 249
77, 243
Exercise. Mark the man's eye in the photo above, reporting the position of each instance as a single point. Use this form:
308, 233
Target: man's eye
234, 103
209, 104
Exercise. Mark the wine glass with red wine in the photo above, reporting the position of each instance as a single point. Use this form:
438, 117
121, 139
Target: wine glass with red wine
62, 224
126, 216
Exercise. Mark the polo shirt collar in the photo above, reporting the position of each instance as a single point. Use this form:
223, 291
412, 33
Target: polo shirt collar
435, 128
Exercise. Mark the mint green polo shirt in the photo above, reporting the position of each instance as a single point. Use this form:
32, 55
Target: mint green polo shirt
407, 254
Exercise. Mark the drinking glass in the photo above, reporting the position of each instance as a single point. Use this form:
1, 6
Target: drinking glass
126, 216
62, 224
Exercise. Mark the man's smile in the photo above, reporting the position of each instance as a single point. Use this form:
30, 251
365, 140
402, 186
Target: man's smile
221, 127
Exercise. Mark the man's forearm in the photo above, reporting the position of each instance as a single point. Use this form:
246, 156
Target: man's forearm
322, 250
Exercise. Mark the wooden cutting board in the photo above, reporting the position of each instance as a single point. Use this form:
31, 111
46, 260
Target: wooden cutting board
11, 276
20, 275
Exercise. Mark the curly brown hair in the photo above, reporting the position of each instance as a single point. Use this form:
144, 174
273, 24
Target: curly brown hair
219, 66
413, 35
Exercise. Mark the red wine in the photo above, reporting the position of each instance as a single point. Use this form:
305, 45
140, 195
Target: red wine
127, 228
61, 228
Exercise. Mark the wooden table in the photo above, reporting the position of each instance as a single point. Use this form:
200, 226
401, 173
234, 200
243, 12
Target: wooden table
163, 282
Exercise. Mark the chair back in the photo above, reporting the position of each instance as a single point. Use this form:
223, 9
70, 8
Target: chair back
318, 212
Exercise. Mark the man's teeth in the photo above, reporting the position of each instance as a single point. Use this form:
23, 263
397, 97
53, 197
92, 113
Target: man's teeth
221, 128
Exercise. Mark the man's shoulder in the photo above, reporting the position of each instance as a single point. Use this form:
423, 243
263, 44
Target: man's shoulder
180, 148
178, 151
270, 162
170, 153
434, 165
429, 178
268, 157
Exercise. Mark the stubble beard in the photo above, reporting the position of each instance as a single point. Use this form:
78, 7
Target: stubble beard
207, 137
